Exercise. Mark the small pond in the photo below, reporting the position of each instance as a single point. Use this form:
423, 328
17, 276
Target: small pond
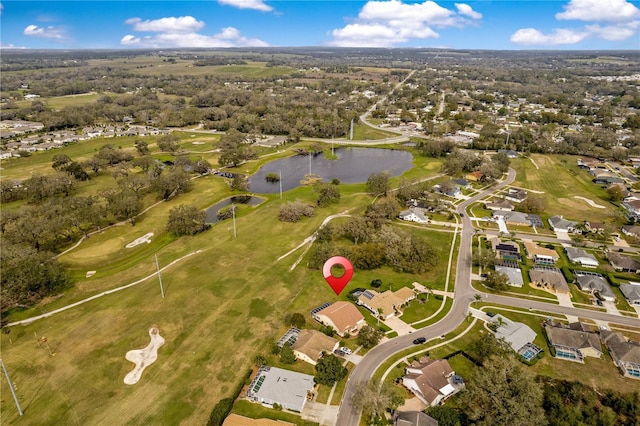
212, 212
353, 165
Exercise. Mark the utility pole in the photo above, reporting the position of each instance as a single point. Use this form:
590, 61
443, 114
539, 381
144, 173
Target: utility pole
11, 387
159, 277
280, 184
233, 212
309, 164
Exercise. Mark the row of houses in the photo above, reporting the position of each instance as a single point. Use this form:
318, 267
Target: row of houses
58, 139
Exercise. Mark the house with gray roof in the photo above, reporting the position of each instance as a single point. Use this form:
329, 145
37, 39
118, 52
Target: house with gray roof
413, 418
631, 292
558, 223
580, 256
595, 284
513, 273
625, 353
623, 263
500, 204
513, 218
414, 215
572, 343
516, 334
631, 230
287, 388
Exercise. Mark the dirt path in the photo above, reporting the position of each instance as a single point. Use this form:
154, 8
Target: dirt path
590, 202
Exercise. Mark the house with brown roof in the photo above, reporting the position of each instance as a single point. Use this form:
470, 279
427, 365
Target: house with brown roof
386, 304
573, 342
432, 380
476, 176
516, 195
540, 255
312, 344
631, 230
623, 263
342, 316
550, 278
625, 354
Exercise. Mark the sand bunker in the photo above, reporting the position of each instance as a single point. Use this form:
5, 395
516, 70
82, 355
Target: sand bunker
146, 238
590, 202
142, 358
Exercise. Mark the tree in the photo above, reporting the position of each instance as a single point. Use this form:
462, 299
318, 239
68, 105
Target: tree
60, 161
294, 211
357, 229
447, 416
483, 257
239, 182
532, 204
368, 337
374, 398
95, 164
378, 183
123, 204
295, 319
28, 275
168, 143
327, 194
286, 354
382, 211
75, 169
503, 392
187, 220
497, 280
142, 147
233, 149
220, 412
170, 184
329, 370
615, 193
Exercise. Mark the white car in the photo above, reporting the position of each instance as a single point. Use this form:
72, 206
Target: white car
346, 350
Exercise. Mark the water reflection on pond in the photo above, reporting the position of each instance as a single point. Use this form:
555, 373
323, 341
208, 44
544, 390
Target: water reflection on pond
353, 165
212, 212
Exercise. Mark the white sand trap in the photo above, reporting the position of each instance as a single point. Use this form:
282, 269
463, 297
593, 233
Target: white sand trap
143, 358
198, 143
90, 274
146, 238
590, 202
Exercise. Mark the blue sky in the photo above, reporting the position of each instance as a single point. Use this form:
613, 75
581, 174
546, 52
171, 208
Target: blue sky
514, 24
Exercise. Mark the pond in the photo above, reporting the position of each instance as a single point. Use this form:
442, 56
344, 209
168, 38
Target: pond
353, 165
212, 212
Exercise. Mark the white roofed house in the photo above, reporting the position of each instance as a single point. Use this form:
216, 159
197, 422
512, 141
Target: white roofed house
516, 195
580, 256
414, 215
273, 385
516, 334
432, 380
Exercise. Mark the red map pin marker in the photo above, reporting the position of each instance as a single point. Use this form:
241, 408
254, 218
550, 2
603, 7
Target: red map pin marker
337, 283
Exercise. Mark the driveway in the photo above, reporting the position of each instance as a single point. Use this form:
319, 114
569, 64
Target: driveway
325, 415
502, 225
399, 326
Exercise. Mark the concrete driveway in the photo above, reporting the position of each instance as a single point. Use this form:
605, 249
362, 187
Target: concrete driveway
399, 326
324, 414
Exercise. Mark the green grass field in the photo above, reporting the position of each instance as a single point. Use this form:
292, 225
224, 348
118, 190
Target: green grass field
560, 179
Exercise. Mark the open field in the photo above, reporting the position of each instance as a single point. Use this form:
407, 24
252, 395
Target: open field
561, 180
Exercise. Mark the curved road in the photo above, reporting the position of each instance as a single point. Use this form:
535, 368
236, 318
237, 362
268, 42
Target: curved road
464, 294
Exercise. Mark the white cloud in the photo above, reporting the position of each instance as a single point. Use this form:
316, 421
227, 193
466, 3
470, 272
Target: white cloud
614, 32
1, 8
466, 10
599, 10
183, 32
620, 12
227, 37
44, 32
247, 4
392, 22
533, 37
171, 24
10, 46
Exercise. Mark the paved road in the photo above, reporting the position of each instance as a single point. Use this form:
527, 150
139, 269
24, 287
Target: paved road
464, 294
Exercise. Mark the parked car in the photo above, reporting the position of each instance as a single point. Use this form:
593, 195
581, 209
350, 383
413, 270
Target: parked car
339, 352
419, 340
490, 314
346, 350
